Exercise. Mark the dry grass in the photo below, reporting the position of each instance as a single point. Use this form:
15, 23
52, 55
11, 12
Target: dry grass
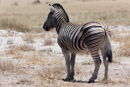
24, 16
124, 48
26, 48
10, 41
102, 11
29, 38
16, 51
106, 81
115, 35
35, 58
124, 82
39, 58
36, 2
12, 24
9, 66
53, 73
48, 42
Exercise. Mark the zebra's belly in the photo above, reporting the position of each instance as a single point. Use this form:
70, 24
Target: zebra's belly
84, 50
73, 48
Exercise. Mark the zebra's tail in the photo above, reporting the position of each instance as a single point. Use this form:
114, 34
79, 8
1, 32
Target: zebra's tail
109, 49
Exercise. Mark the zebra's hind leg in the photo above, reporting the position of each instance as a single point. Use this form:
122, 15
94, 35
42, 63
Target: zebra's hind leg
66, 54
105, 61
72, 62
97, 62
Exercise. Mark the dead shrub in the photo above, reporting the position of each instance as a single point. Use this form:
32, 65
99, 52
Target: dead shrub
39, 58
24, 81
36, 2
48, 42
124, 49
15, 4
55, 72
29, 38
42, 35
16, 51
12, 50
52, 73
46, 2
124, 52
35, 58
115, 36
26, 48
9, 66
10, 41
121, 37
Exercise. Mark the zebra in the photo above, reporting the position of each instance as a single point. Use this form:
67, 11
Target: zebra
73, 39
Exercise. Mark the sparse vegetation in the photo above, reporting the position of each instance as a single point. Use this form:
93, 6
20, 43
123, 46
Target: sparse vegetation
12, 50
24, 81
26, 47
92, 10
39, 58
35, 58
16, 51
16, 4
124, 49
9, 66
12, 24
48, 42
36, 2
9, 41
53, 73
45, 66
29, 38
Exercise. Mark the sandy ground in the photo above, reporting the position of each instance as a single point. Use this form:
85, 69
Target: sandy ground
21, 72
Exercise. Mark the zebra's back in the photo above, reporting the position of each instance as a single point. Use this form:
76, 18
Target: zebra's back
79, 38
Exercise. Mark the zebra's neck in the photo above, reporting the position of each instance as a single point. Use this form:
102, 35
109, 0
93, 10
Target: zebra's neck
59, 21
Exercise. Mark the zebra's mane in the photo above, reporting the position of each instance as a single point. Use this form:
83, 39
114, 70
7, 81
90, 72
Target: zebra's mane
58, 6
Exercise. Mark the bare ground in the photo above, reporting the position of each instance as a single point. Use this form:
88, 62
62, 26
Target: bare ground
44, 65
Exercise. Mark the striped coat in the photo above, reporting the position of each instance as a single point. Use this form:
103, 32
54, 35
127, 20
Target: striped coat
75, 39
78, 38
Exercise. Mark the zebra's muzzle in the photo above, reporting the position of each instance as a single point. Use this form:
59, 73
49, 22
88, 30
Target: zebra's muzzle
45, 28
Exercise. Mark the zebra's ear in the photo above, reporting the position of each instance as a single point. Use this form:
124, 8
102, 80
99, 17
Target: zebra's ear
52, 9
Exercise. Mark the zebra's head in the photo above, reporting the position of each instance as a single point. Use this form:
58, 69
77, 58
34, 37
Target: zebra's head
49, 23
54, 9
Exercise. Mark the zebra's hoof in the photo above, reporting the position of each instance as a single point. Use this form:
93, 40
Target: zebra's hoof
105, 78
68, 79
91, 81
71, 78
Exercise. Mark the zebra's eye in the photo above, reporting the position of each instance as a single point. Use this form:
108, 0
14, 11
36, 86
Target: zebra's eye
49, 16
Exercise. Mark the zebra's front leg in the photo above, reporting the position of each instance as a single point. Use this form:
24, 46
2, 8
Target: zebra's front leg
66, 54
73, 55
97, 62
